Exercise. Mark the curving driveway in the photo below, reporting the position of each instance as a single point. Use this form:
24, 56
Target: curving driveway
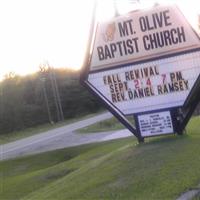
58, 138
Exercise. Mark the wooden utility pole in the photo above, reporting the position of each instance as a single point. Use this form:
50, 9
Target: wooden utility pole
43, 81
56, 94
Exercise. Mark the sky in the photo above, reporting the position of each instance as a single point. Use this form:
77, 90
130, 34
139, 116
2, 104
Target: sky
33, 32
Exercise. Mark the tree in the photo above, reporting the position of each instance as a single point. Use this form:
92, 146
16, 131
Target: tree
22, 101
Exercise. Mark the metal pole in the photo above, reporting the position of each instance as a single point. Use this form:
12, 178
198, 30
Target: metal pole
84, 82
190, 105
115, 8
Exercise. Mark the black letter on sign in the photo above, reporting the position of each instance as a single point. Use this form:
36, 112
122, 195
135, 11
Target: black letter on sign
125, 28
143, 25
100, 53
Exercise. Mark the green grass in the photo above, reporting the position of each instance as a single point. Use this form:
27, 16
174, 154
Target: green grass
106, 125
10, 137
161, 168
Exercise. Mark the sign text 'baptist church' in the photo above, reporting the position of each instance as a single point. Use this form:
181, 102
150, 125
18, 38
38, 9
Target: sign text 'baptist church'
140, 35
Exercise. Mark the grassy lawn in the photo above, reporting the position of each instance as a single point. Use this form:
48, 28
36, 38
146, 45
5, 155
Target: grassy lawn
111, 124
161, 168
10, 137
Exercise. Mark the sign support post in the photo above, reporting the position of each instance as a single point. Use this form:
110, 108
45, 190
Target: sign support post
189, 106
114, 111
84, 82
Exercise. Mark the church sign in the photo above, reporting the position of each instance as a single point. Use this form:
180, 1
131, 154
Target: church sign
144, 63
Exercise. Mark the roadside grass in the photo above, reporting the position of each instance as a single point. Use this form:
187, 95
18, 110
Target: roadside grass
111, 124
161, 168
10, 137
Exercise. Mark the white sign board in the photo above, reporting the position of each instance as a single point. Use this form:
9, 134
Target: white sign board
141, 35
159, 84
155, 124
143, 62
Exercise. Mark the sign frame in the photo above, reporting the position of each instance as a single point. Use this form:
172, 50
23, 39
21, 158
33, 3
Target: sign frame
183, 112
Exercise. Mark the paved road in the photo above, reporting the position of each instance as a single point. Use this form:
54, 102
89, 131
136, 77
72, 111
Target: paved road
65, 136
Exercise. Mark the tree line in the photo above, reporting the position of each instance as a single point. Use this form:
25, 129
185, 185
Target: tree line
47, 96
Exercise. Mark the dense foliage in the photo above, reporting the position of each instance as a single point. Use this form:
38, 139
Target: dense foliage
22, 99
